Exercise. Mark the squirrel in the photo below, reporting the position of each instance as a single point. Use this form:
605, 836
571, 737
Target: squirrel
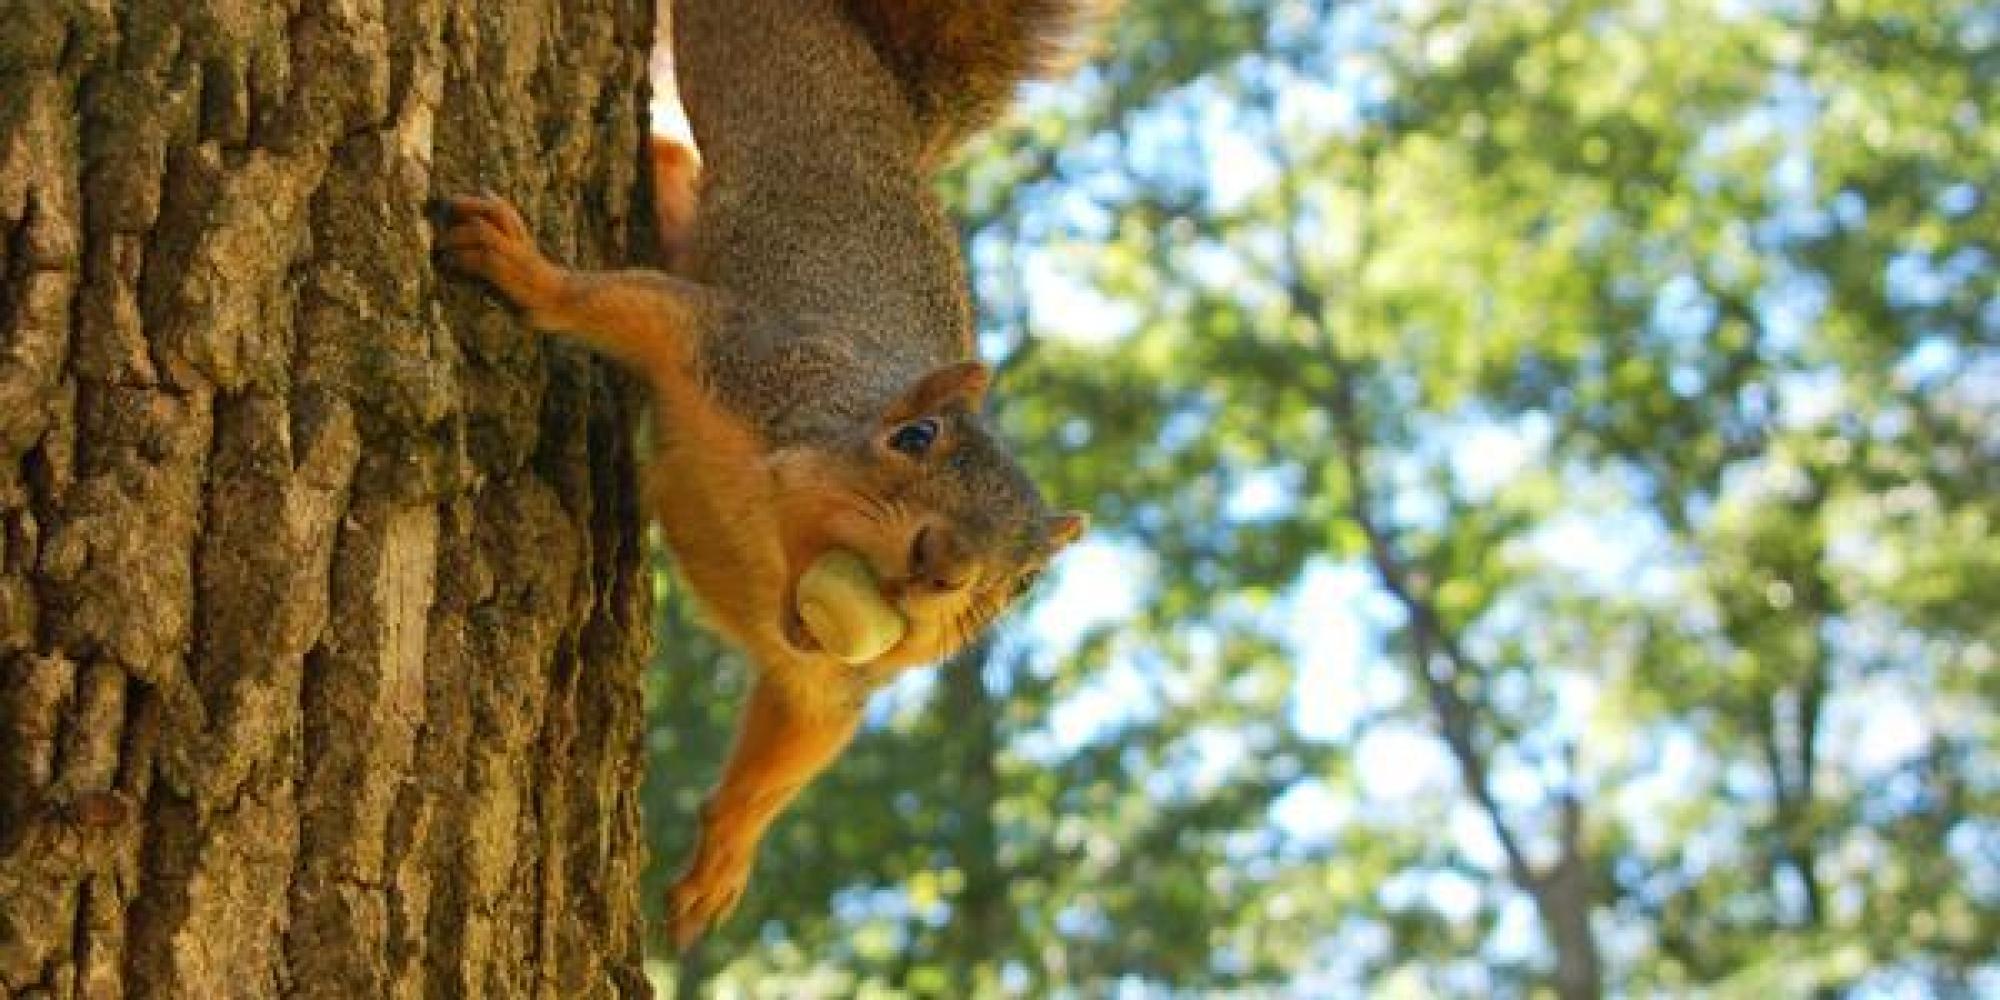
811, 360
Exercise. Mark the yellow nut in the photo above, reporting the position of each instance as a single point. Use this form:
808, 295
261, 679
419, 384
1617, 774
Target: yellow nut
842, 606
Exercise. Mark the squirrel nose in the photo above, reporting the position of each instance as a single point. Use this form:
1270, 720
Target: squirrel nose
938, 562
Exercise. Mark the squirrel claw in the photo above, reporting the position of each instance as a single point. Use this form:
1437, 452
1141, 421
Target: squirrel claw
490, 209
700, 900
438, 211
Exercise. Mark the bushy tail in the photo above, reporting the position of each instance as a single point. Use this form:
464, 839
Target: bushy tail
960, 60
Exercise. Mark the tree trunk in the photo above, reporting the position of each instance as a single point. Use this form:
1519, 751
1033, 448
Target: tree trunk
321, 622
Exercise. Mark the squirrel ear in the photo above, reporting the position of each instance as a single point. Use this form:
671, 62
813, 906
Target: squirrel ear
1065, 528
962, 381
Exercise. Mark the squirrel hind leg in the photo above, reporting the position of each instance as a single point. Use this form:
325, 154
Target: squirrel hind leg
676, 168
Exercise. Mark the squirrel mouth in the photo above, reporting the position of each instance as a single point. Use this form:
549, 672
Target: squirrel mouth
793, 628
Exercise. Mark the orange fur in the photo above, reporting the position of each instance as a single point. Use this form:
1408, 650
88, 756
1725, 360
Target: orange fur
780, 745
675, 170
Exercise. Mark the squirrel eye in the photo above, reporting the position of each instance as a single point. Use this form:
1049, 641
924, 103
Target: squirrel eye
915, 438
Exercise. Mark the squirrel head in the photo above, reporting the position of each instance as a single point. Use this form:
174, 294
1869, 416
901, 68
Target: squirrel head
952, 527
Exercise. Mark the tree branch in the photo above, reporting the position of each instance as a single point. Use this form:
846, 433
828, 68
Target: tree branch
1560, 893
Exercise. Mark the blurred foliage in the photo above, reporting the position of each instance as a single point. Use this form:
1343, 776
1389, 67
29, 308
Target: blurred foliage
1546, 458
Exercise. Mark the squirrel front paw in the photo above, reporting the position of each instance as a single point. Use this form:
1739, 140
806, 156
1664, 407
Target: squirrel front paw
706, 892
485, 237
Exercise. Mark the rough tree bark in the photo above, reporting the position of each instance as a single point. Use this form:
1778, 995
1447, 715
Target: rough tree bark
320, 616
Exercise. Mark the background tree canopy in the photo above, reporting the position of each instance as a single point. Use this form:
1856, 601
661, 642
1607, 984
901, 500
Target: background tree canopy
1544, 460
